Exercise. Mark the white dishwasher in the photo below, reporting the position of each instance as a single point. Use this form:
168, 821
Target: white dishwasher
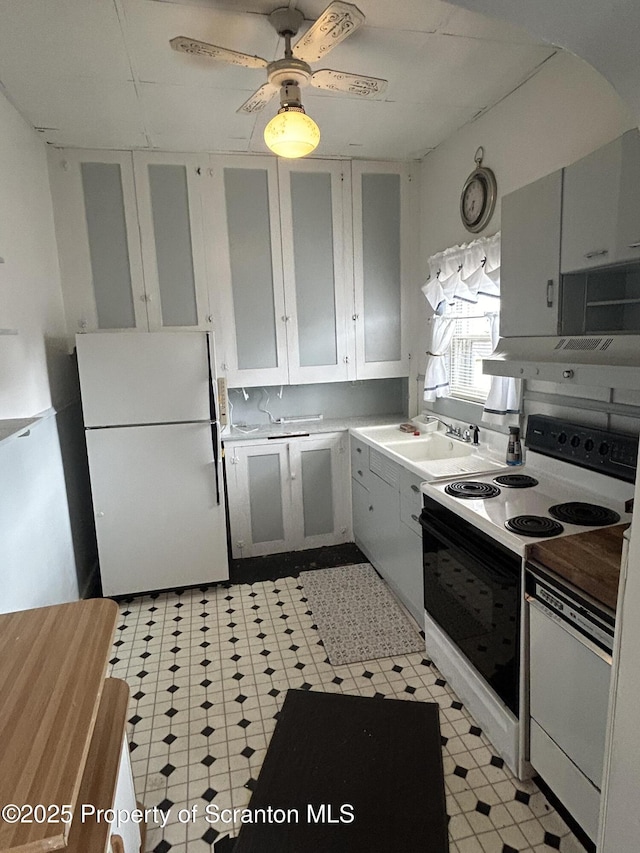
570, 645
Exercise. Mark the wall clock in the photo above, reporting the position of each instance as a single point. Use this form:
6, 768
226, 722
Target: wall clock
478, 196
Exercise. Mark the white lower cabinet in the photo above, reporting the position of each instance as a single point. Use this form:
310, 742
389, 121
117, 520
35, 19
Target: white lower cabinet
386, 508
287, 494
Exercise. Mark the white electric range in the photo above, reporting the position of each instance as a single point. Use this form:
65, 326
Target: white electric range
476, 532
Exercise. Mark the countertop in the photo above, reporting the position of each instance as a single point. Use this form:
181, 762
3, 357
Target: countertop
259, 431
590, 561
52, 672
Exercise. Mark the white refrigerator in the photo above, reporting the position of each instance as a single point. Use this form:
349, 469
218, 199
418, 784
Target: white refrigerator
153, 441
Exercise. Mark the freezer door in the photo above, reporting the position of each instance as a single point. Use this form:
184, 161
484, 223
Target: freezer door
144, 378
158, 522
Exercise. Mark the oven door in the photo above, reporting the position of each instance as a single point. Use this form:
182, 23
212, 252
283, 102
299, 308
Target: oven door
472, 589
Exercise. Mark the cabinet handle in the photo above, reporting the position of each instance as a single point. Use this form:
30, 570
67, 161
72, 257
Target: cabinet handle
358, 450
346, 359
415, 517
292, 473
596, 254
415, 488
370, 509
360, 472
634, 245
355, 317
550, 293
285, 319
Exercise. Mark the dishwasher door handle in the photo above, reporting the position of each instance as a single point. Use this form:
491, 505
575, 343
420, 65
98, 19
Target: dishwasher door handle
585, 641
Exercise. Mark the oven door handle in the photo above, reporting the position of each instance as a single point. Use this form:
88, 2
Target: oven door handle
585, 641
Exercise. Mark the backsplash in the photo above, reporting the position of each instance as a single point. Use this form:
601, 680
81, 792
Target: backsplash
331, 400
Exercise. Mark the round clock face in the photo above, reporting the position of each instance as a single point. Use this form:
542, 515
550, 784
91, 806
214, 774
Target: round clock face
478, 199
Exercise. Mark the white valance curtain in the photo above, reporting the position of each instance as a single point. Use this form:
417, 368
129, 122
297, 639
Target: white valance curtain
471, 273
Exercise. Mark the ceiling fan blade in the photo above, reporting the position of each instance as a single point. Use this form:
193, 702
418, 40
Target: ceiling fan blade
203, 48
337, 22
353, 84
259, 99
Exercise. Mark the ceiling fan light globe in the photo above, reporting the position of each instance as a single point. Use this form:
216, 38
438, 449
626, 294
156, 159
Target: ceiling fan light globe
292, 134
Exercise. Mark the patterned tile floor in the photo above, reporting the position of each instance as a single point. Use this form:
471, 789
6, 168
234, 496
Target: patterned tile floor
208, 670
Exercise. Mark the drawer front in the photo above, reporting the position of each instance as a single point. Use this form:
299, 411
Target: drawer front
385, 468
410, 489
410, 514
360, 462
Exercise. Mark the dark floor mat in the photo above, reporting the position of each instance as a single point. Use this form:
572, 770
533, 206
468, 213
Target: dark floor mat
351, 774
291, 563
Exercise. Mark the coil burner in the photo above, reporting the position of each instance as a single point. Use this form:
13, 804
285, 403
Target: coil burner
515, 481
533, 525
590, 515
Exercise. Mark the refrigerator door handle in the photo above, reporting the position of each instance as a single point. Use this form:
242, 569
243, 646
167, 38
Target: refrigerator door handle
213, 421
216, 457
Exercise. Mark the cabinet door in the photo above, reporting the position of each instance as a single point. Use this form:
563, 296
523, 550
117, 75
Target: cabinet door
95, 213
316, 295
381, 215
363, 520
385, 500
170, 213
245, 270
530, 258
406, 579
319, 480
259, 488
629, 210
590, 209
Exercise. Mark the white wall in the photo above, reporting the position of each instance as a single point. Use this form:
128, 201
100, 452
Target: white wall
558, 116
37, 565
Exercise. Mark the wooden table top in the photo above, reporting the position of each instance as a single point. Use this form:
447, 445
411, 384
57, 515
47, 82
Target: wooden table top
53, 662
590, 561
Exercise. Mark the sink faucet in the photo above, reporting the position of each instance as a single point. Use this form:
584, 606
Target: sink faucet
458, 433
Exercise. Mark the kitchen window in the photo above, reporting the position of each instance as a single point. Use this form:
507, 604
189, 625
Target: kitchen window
470, 343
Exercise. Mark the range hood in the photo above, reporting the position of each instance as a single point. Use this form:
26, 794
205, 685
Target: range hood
612, 361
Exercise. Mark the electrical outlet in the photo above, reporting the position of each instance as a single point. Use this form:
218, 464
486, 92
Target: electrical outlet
223, 401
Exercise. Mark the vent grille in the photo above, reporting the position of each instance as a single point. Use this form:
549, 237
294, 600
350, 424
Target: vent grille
560, 343
607, 344
583, 343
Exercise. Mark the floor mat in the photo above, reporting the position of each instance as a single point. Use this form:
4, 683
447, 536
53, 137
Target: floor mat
357, 615
349, 774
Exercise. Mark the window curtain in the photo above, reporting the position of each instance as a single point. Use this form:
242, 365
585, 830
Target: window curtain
466, 272
436, 381
503, 400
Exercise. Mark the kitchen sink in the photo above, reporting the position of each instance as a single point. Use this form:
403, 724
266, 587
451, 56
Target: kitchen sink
431, 454
429, 447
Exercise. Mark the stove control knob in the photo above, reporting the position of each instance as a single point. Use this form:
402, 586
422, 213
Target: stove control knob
575, 441
567, 374
562, 438
603, 449
588, 445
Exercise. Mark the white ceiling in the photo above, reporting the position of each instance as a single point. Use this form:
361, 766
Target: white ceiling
100, 73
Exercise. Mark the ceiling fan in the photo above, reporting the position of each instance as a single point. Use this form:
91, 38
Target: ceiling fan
288, 75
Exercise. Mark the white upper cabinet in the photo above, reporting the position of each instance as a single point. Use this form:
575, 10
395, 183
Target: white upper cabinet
601, 206
589, 216
628, 247
170, 215
317, 294
244, 260
300, 267
381, 248
96, 221
530, 267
